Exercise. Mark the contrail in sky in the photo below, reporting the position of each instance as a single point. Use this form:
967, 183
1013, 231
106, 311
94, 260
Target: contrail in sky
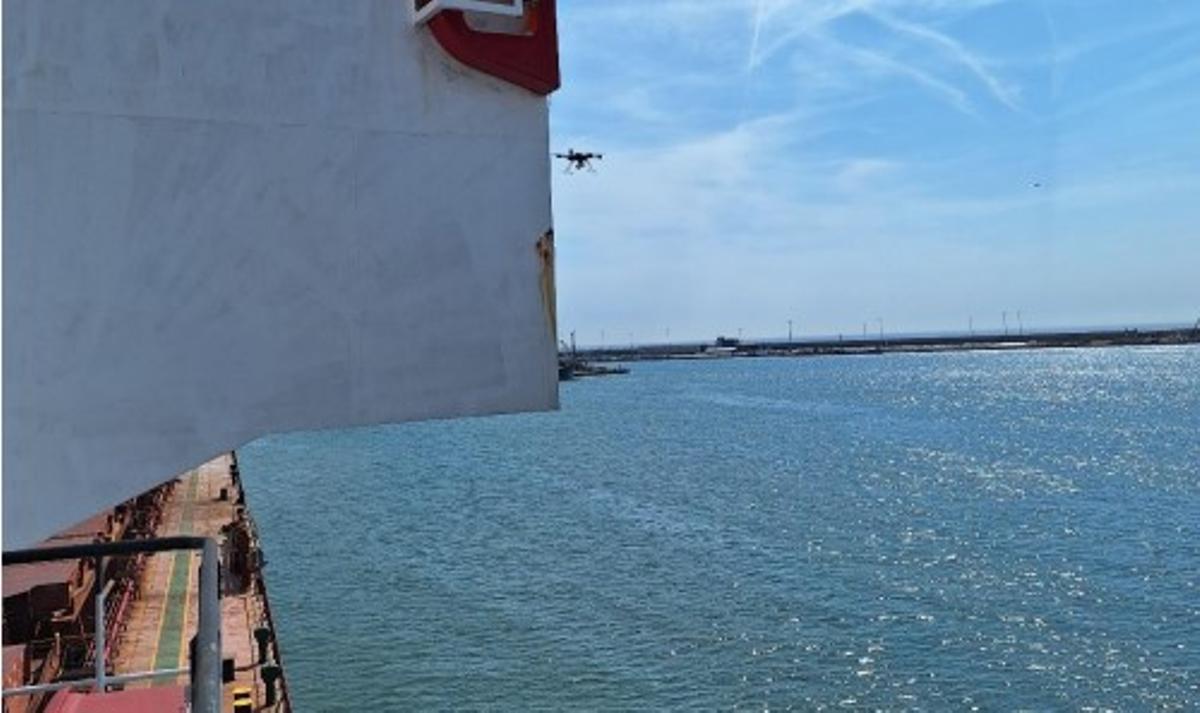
758, 19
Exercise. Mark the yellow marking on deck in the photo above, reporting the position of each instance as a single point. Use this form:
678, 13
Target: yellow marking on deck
179, 559
187, 602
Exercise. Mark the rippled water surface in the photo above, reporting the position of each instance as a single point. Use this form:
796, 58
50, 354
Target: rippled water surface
1000, 530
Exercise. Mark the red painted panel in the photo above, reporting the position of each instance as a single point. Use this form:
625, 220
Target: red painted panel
529, 61
140, 700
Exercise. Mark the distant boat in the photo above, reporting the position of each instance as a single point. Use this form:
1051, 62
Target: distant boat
572, 367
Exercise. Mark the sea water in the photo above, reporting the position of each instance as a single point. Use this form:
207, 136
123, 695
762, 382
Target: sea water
1001, 531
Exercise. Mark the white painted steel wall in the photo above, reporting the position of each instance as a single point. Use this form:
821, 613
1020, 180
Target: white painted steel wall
225, 218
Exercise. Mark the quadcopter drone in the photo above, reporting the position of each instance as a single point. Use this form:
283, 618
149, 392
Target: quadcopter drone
579, 160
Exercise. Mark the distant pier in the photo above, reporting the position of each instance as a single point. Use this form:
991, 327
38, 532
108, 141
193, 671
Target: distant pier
891, 344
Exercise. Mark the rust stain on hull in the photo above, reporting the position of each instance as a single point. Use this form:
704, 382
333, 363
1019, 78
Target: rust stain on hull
545, 251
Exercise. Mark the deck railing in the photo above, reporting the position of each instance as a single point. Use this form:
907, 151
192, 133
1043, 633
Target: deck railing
205, 666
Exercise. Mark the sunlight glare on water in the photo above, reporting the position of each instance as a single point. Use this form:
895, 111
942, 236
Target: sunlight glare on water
993, 530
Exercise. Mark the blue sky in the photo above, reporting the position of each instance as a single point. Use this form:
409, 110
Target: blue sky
836, 162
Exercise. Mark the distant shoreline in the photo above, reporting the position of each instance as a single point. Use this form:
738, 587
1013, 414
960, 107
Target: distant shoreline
899, 344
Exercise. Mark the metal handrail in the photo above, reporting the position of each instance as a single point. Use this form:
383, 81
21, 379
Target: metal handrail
206, 667
90, 682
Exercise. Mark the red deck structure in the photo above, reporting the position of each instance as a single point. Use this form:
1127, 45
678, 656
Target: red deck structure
142, 700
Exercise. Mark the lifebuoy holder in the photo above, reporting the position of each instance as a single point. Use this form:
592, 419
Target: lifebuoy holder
514, 40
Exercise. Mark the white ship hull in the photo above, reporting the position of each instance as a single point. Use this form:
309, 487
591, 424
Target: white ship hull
224, 219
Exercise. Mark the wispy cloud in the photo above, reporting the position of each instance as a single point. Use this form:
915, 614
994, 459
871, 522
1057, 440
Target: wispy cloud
890, 67
858, 174
1002, 91
797, 25
759, 11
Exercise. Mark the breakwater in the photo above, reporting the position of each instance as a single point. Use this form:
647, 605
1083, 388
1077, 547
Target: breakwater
889, 344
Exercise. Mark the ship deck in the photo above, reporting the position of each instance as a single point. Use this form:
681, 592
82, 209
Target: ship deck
164, 617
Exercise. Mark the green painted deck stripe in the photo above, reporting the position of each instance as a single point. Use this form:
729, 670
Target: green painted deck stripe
170, 636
